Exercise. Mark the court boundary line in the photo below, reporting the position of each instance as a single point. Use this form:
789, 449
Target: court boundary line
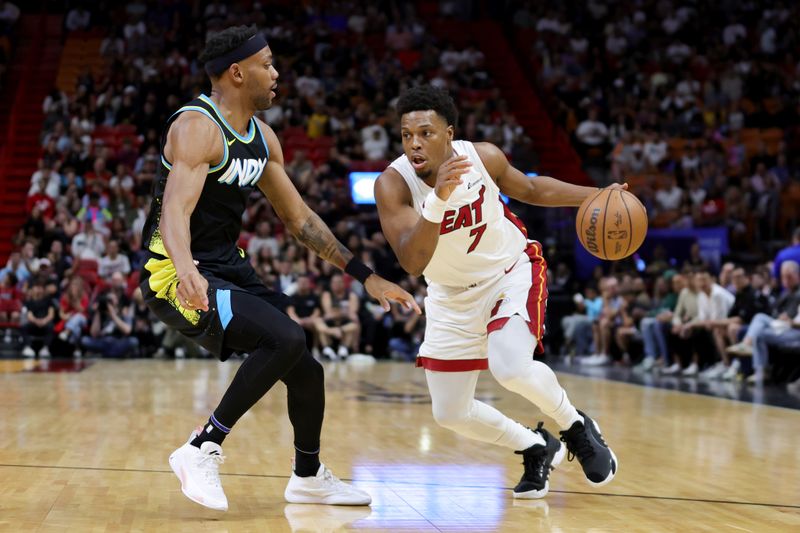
653, 387
389, 484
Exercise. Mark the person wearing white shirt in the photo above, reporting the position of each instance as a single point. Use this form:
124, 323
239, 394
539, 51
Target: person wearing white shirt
375, 142
670, 197
713, 304
113, 262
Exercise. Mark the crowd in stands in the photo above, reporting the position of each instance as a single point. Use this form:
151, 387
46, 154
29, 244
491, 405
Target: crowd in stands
691, 323
340, 69
695, 104
73, 283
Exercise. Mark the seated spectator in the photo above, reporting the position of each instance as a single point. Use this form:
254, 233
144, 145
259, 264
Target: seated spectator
375, 142
10, 299
40, 316
113, 262
88, 244
790, 253
776, 324
111, 328
339, 319
578, 326
669, 198
610, 318
405, 333
73, 313
592, 133
16, 266
654, 327
147, 329
685, 312
305, 310
263, 239
713, 306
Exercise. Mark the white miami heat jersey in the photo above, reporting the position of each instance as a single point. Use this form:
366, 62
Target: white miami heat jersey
479, 236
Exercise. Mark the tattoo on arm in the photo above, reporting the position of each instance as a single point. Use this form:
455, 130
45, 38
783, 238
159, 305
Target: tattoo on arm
318, 237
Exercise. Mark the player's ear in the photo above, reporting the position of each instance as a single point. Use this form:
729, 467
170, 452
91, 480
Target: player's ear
450, 132
236, 72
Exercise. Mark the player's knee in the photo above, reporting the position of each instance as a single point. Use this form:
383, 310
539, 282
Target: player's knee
291, 339
451, 417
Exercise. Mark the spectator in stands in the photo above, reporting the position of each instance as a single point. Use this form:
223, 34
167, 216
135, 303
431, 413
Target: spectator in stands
654, 327
405, 333
305, 310
790, 253
111, 328
78, 18
40, 316
339, 319
113, 262
375, 142
16, 266
610, 318
592, 133
685, 312
780, 321
578, 326
73, 313
10, 299
45, 181
713, 306
88, 244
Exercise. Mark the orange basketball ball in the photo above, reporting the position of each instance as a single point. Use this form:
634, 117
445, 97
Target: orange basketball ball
611, 224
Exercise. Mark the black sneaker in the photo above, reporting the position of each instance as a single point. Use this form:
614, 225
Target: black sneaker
539, 460
585, 441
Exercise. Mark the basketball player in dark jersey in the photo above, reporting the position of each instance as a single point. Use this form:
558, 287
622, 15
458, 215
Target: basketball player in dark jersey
196, 280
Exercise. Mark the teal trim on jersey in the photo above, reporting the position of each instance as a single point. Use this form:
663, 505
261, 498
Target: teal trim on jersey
224, 138
251, 132
263, 140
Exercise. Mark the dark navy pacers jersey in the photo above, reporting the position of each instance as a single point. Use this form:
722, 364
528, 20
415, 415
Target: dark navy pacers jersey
216, 221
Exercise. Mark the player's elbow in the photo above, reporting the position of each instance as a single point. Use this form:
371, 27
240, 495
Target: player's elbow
412, 266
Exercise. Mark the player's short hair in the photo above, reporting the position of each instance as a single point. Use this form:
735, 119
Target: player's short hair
227, 40
428, 98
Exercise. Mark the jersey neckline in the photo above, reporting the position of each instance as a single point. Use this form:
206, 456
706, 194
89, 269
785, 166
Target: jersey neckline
251, 132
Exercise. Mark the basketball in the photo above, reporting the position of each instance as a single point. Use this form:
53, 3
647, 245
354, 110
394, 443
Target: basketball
611, 224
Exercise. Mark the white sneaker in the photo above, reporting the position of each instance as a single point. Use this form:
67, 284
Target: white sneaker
328, 353
731, 372
44, 352
342, 352
596, 360
714, 372
324, 488
671, 370
77, 353
740, 349
794, 387
646, 365
198, 470
690, 370
28, 352
180, 353
756, 378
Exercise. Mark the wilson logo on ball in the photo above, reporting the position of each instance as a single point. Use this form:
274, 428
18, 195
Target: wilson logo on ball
591, 232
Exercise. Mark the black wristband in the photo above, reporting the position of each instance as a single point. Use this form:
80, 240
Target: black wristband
358, 270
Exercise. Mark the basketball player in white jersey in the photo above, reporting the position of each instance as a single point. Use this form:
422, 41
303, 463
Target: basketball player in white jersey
440, 208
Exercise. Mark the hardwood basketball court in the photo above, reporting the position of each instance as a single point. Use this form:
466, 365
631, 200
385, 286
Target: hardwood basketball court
87, 451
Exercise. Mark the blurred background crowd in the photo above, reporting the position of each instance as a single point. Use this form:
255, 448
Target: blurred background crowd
695, 105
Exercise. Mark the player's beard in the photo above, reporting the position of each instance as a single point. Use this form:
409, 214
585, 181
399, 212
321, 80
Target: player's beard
262, 101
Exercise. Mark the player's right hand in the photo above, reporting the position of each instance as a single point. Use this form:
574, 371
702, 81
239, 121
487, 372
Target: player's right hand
449, 176
192, 291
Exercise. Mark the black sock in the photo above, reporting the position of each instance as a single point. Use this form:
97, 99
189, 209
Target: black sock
212, 431
306, 464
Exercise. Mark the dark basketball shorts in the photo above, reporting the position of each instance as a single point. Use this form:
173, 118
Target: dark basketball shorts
159, 282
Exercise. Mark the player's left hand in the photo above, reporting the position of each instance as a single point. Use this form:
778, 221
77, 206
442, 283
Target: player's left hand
385, 291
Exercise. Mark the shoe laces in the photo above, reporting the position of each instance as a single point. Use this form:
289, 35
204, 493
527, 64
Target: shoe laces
578, 443
208, 464
330, 480
534, 460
